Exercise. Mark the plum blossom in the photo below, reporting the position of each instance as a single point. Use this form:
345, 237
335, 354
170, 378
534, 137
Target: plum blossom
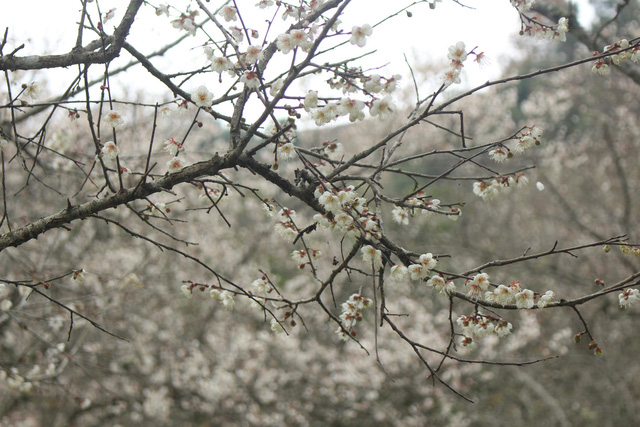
286, 151
163, 9
544, 299
436, 281
353, 107
276, 327
113, 118
261, 286
33, 91
187, 291
457, 54
285, 43
522, 5
498, 155
562, 29
428, 261
250, 79
330, 201
382, 108
398, 272
172, 147
202, 97
228, 13
359, 35
451, 76
325, 114
373, 84
502, 295
275, 87
400, 215
310, 100
333, 150
253, 54
372, 255
78, 276
524, 299
352, 314
503, 328
237, 33
418, 271
478, 284
186, 23
227, 300
263, 4
220, 64
628, 297
110, 150
109, 15
299, 38
600, 67
175, 165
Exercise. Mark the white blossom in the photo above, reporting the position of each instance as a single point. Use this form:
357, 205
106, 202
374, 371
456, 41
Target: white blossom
202, 97
359, 35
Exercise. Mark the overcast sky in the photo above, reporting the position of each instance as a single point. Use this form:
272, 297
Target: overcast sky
47, 26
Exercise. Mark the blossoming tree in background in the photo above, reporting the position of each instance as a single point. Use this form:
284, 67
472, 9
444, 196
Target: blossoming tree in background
162, 171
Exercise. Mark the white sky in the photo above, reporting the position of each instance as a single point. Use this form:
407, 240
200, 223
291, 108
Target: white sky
424, 38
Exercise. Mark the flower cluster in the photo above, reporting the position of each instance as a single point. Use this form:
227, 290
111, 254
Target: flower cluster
225, 297
556, 32
347, 213
499, 185
421, 269
375, 86
401, 214
529, 137
514, 293
522, 5
332, 110
601, 66
545, 299
445, 287
352, 314
185, 22
301, 256
625, 249
477, 285
457, 54
285, 226
479, 325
